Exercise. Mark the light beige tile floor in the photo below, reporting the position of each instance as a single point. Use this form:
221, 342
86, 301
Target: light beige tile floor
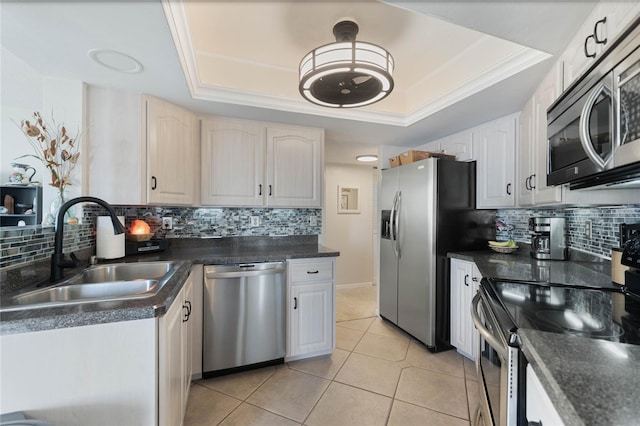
378, 375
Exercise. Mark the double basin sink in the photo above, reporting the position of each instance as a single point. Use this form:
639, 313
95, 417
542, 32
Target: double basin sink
117, 281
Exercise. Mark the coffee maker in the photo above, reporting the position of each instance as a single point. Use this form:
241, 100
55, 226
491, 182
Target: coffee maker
548, 238
630, 237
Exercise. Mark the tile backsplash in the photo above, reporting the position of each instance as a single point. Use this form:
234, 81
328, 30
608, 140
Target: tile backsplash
22, 246
605, 225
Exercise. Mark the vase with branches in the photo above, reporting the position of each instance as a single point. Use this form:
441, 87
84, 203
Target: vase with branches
55, 148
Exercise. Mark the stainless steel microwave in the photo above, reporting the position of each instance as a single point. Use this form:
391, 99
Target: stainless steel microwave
593, 129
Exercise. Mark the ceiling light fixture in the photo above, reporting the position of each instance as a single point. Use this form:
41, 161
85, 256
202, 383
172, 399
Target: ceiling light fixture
116, 61
347, 73
367, 158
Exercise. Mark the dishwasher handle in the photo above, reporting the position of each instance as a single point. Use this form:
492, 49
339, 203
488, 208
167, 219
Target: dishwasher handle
244, 270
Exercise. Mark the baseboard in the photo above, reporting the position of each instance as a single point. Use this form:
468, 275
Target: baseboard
354, 285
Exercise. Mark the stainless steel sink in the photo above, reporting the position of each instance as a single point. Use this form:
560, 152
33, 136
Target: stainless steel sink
123, 272
117, 281
83, 292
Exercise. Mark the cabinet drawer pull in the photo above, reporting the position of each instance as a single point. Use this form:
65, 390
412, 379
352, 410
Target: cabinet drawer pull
154, 183
532, 180
509, 189
313, 272
270, 192
260, 189
295, 303
466, 277
474, 279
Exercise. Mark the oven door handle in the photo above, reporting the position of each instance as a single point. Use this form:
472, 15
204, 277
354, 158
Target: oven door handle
499, 347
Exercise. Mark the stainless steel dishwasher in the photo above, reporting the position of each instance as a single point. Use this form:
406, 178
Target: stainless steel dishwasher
244, 317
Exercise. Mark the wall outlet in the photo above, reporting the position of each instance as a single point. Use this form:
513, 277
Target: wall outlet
255, 221
313, 220
167, 222
587, 229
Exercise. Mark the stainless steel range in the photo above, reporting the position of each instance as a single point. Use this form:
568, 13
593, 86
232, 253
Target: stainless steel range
502, 307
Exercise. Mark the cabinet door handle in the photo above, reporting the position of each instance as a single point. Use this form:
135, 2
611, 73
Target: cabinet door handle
509, 189
154, 183
532, 181
188, 313
474, 279
260, 189
527, 183
466, 277
586, 48
270, 191
295, 303
313, 272
595, 31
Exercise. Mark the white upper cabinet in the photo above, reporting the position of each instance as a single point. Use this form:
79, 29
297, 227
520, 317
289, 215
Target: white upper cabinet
114, 151
606, 21
232, 162
533, 147
294, 167
140, 149
526, 162
495, 144
247, 163
171, 151
460, 145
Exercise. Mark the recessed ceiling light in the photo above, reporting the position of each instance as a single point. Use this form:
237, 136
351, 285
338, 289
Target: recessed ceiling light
367, 158
116, 61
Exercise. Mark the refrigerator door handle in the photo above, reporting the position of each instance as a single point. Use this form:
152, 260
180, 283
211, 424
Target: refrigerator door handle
392, 227
396, 223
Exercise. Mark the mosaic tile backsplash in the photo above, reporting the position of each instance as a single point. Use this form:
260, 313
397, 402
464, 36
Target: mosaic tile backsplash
605, 225
21, 246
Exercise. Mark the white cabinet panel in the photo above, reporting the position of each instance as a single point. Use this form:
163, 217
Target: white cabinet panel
293, 167
175, 331
460, 145
171, 147
232, 162
540, 409
495, 144
465, 279
114, 152
102, 374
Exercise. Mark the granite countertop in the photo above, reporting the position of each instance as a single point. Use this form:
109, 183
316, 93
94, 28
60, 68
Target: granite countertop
591, 382
581, 269
192, 251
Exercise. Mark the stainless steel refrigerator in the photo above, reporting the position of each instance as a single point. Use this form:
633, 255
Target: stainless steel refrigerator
427, 209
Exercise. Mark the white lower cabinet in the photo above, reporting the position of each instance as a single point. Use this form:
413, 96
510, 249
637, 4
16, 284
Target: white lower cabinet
540, 409
465, 279
174, 357
310, 307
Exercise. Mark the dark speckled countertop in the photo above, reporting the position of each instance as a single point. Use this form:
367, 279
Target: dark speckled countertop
189, 251
581, 269
589, 381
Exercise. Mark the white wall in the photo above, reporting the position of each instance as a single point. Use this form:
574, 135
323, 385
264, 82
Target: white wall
20, 96
351, 234
23, 91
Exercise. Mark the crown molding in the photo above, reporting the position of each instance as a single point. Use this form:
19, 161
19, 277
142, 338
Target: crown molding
178, 24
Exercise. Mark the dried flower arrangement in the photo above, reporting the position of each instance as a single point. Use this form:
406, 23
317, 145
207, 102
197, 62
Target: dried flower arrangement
58, 151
